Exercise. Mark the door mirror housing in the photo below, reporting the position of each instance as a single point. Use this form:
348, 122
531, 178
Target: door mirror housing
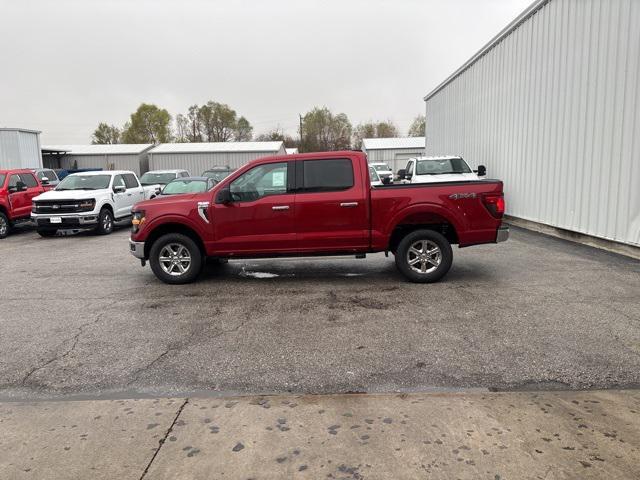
119, 189
402, 173
482, 170
224, 196
44, 181
20, 187
386, 180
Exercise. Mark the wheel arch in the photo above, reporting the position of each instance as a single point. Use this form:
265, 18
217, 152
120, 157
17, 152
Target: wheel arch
172, 227
428, 218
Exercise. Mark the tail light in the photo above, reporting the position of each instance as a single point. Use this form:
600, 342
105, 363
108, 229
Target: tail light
494, 203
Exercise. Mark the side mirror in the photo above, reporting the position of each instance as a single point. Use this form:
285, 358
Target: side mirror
119, 189
402, 173
224, 196
20, 187
482, 170
12, 189
386, 180
44, 181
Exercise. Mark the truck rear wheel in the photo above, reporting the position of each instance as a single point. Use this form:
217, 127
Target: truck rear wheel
5, 226
175, 259
424, 256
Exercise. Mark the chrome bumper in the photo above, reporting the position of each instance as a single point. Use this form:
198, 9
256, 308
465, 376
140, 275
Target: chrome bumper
503, 234
136, 249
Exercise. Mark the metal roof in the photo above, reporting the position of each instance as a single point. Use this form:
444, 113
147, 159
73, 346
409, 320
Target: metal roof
26, 130
391, 143
216, 147
520, 19
116, 149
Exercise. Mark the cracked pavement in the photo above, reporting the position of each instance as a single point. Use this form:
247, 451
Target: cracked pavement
79, 316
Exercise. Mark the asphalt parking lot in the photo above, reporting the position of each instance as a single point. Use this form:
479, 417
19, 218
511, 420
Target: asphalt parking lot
80, 317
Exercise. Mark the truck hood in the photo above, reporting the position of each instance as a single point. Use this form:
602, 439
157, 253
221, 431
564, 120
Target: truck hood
70, 194
172, 199
445, 177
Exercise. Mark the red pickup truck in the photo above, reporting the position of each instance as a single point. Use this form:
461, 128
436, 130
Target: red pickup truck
17, 188
316, 204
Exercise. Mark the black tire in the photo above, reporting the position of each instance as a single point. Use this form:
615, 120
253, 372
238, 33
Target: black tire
169, 271
5, 225
105, 222
46, 232
428, 272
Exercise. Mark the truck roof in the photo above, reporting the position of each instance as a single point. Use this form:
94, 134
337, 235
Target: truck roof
15, 170
437, 157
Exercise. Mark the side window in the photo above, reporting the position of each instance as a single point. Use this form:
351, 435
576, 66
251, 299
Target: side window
118, 181
13, 180
130, 181
29, 180
327, 175
184, 174
260, 181
410, 168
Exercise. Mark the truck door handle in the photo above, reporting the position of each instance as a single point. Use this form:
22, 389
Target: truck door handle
349, 204
280, 207
129, 194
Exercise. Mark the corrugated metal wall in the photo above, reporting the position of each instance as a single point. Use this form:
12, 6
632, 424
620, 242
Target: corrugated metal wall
132, 162
396, 158
196, 163
20, 149
553, 110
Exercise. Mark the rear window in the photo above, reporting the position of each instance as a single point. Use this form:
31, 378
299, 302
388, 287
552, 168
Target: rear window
130, 180
29, 180
327, 175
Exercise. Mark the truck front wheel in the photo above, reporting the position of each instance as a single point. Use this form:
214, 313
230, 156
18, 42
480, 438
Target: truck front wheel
175, 259
424, 256
105, 222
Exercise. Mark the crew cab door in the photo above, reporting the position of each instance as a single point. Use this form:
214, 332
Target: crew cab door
19, 199
331, 206
259, 219
135, 192
121, 201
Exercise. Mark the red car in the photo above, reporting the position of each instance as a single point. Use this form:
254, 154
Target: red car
17, 188
316, 204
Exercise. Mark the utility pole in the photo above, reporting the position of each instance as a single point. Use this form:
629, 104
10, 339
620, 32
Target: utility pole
300, 115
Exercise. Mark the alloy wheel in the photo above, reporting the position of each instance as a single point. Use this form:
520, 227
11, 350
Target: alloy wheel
424, 256
175, 259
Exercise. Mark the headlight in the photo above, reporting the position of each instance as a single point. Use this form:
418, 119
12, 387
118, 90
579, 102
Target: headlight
86, 205
137, 221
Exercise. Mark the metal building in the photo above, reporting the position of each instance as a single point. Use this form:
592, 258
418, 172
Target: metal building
551, 106
107, 157
20, 148
394, 151
198, 157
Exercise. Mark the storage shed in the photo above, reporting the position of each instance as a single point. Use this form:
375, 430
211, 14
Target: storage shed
198, 157
20, 148
393, 151
551, 106
131, 156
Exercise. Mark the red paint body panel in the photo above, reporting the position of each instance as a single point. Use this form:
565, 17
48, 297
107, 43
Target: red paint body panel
17, 205
357, 220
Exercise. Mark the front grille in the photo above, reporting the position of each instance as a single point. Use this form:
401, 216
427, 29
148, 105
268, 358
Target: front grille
61, 206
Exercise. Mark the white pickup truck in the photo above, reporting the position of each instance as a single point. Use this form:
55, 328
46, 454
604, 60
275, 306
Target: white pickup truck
89, 201
439, 169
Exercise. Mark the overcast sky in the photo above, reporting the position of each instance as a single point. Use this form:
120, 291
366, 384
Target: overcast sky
66, 65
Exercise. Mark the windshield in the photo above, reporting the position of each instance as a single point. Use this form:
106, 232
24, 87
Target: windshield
382, 167
441, 166
84, 182
151, 178
373, 175
180, 186
217, 175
